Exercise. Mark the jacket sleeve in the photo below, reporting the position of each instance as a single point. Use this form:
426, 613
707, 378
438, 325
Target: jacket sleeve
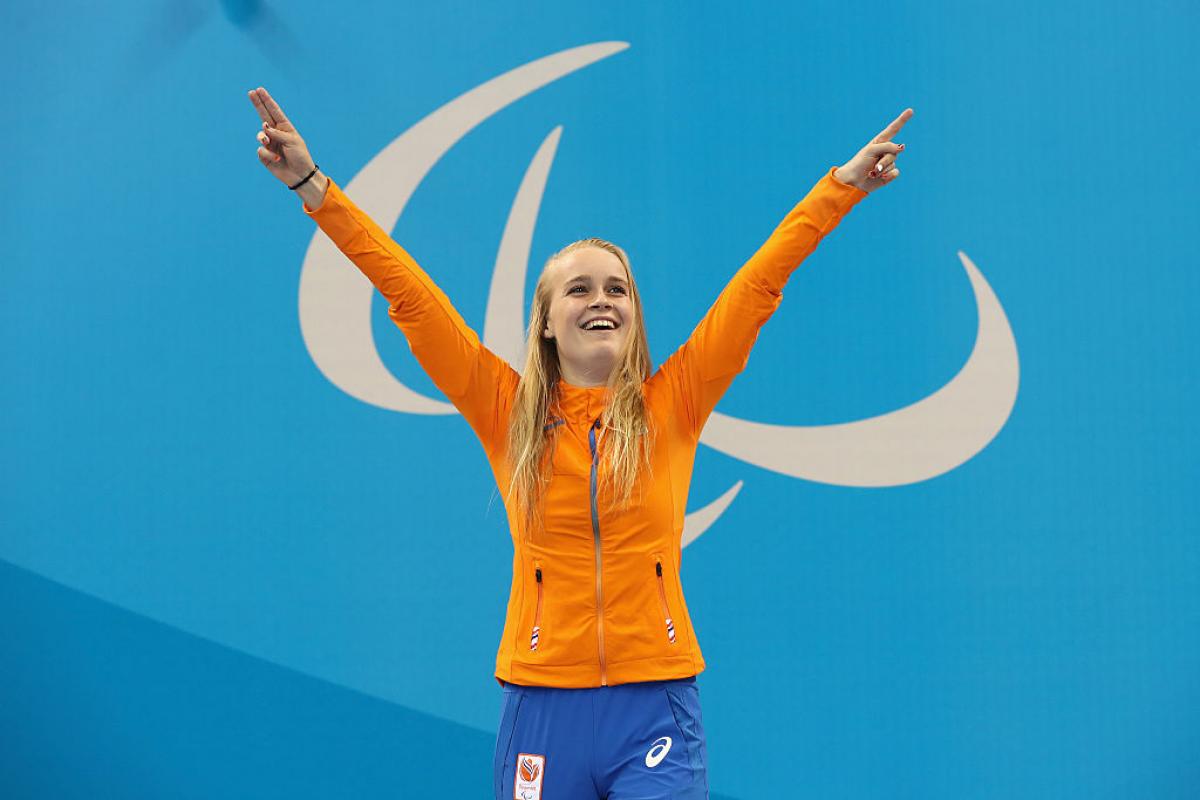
702, 369
477, 381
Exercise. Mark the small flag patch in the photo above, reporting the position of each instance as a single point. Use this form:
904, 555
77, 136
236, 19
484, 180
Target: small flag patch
531, 769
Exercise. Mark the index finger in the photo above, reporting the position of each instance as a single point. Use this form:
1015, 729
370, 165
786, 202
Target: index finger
260, 107
891, 130
272, 107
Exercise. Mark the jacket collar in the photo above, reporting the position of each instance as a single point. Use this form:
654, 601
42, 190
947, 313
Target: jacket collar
580, 405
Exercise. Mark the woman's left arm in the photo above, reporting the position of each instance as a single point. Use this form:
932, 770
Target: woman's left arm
717, 350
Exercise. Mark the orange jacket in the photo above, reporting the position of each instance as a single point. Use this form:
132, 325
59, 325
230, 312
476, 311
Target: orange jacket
596, 597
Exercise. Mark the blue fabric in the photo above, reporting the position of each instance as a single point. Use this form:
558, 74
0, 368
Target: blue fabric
636, 740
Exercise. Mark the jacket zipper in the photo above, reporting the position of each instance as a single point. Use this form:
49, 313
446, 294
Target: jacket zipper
662, 599
599, 559
537, 615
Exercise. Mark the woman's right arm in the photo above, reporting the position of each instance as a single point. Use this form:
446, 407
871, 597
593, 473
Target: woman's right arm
472, 377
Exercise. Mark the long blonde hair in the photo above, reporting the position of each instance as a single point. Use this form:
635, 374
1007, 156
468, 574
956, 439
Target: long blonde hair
625, 439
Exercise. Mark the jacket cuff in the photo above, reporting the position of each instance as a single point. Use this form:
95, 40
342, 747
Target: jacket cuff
325, 202
851, 194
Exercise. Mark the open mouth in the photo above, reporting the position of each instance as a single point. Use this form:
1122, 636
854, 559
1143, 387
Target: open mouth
600, 324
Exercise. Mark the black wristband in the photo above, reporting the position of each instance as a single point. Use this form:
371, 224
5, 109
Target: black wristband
306, 177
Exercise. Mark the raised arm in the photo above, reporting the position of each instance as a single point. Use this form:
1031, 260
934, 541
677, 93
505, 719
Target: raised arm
478, 382
702, 369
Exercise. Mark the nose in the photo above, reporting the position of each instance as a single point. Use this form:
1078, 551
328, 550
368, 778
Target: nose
601, 301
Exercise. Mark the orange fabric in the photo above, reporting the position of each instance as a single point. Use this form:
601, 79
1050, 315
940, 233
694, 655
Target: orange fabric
601, 618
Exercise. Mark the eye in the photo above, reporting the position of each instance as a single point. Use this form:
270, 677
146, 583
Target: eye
617, 289
575, 287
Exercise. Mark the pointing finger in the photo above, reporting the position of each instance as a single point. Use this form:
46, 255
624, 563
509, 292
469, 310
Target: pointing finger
260, 106
280, 119
891, 130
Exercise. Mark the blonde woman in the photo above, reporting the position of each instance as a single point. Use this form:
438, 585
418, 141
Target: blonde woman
592, 451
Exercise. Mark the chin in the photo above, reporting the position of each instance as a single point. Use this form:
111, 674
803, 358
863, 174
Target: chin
613, 347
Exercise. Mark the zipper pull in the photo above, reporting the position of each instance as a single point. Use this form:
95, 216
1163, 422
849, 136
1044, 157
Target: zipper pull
536, 634
666, 610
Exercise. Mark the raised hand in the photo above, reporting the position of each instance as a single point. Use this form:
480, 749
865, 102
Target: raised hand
281, 150
875, 164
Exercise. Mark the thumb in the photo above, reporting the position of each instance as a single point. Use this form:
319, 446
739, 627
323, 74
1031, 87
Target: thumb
279, 136
879, 149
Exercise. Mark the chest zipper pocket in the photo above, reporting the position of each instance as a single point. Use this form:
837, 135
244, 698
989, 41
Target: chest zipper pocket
662, 599
537, 614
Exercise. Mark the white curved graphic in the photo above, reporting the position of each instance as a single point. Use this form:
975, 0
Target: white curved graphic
911, 444
702, 519
914, 443
504, 323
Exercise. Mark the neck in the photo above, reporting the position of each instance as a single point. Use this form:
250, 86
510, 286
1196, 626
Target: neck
585, 376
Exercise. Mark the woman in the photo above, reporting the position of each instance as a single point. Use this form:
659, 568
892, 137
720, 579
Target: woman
593, 455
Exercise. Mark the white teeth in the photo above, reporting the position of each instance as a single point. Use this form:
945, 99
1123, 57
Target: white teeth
601, 324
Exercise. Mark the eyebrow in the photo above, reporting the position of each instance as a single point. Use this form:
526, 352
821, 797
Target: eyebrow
585, 279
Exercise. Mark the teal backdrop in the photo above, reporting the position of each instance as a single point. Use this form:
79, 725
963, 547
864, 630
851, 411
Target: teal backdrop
223, 574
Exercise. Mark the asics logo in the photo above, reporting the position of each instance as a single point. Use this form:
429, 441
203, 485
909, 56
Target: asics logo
915, 443
658, 752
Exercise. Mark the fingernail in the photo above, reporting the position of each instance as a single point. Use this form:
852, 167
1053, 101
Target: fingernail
901, 147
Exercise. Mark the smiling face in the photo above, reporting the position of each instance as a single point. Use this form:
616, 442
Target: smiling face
592, 313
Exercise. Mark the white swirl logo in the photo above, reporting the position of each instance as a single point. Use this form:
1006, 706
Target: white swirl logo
921, 441
658, 752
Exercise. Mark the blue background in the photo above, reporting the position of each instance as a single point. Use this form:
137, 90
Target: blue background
221, 576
